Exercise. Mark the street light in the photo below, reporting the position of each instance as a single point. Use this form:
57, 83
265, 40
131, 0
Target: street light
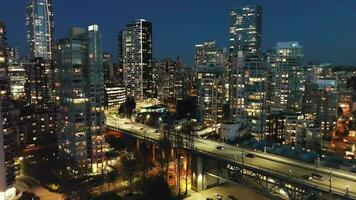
160, 123
347, 190
144, 132
330, 179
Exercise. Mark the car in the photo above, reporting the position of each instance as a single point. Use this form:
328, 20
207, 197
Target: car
317, 176
141, 128
217, 196
250, 155
308, 177
220, 147
209, 198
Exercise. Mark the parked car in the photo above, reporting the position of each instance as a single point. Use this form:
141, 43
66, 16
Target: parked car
217, 196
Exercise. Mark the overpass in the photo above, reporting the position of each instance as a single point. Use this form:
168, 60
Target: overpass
270, 173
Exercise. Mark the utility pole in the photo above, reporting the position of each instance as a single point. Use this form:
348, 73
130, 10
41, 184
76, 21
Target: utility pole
330, 179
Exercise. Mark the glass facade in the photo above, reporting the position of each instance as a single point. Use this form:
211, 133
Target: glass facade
79, 60
40, 28
208, 52
135, 47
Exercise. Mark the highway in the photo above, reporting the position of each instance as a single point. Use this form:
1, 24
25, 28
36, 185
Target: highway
342, 181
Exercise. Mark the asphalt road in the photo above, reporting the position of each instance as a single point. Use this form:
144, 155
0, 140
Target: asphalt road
341, 180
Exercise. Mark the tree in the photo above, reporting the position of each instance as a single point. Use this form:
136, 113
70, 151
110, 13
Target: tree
187, 130
165, 146
144, 153
130, 165
156, 188
130, 104
128, 107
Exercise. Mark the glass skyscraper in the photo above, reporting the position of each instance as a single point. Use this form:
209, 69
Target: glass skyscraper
245, 30
287, 79
208, 53
79, 59
40, 28
247, 69
135, 56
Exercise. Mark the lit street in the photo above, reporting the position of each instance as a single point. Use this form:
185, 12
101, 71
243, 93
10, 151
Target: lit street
341, 181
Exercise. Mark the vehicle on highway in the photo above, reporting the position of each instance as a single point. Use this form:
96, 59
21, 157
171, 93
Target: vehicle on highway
220, 147
317, 176
141, 128
209, 198
250, 155
217, 196
308, 177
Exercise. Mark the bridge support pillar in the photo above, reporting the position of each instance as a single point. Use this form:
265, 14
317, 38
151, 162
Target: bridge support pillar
153, 146
138, 144
198, 179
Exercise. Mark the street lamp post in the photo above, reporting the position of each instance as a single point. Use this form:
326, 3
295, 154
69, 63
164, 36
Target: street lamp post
347, 190
242, 160
330, 179
144, 132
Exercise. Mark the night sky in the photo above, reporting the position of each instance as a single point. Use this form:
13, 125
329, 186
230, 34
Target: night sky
326, 28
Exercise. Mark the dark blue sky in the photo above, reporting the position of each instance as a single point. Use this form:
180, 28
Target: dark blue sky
326, 28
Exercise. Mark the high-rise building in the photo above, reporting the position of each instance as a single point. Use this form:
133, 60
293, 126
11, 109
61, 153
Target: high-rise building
165, 81
286, 77
108, 68
208, 53
40, 28
321, 96
135, 56
245, 30
38, 82
41, 111
17, 74
285, 91
115, 95
247, 71
170, 80
7, 151
210, 94
79, 60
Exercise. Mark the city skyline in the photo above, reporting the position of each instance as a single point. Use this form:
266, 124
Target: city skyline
327, 40
186, 100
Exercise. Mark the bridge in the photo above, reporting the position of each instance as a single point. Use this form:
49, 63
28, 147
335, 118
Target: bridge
275, 175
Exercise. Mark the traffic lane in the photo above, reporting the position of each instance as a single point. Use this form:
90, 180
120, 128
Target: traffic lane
338, 184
